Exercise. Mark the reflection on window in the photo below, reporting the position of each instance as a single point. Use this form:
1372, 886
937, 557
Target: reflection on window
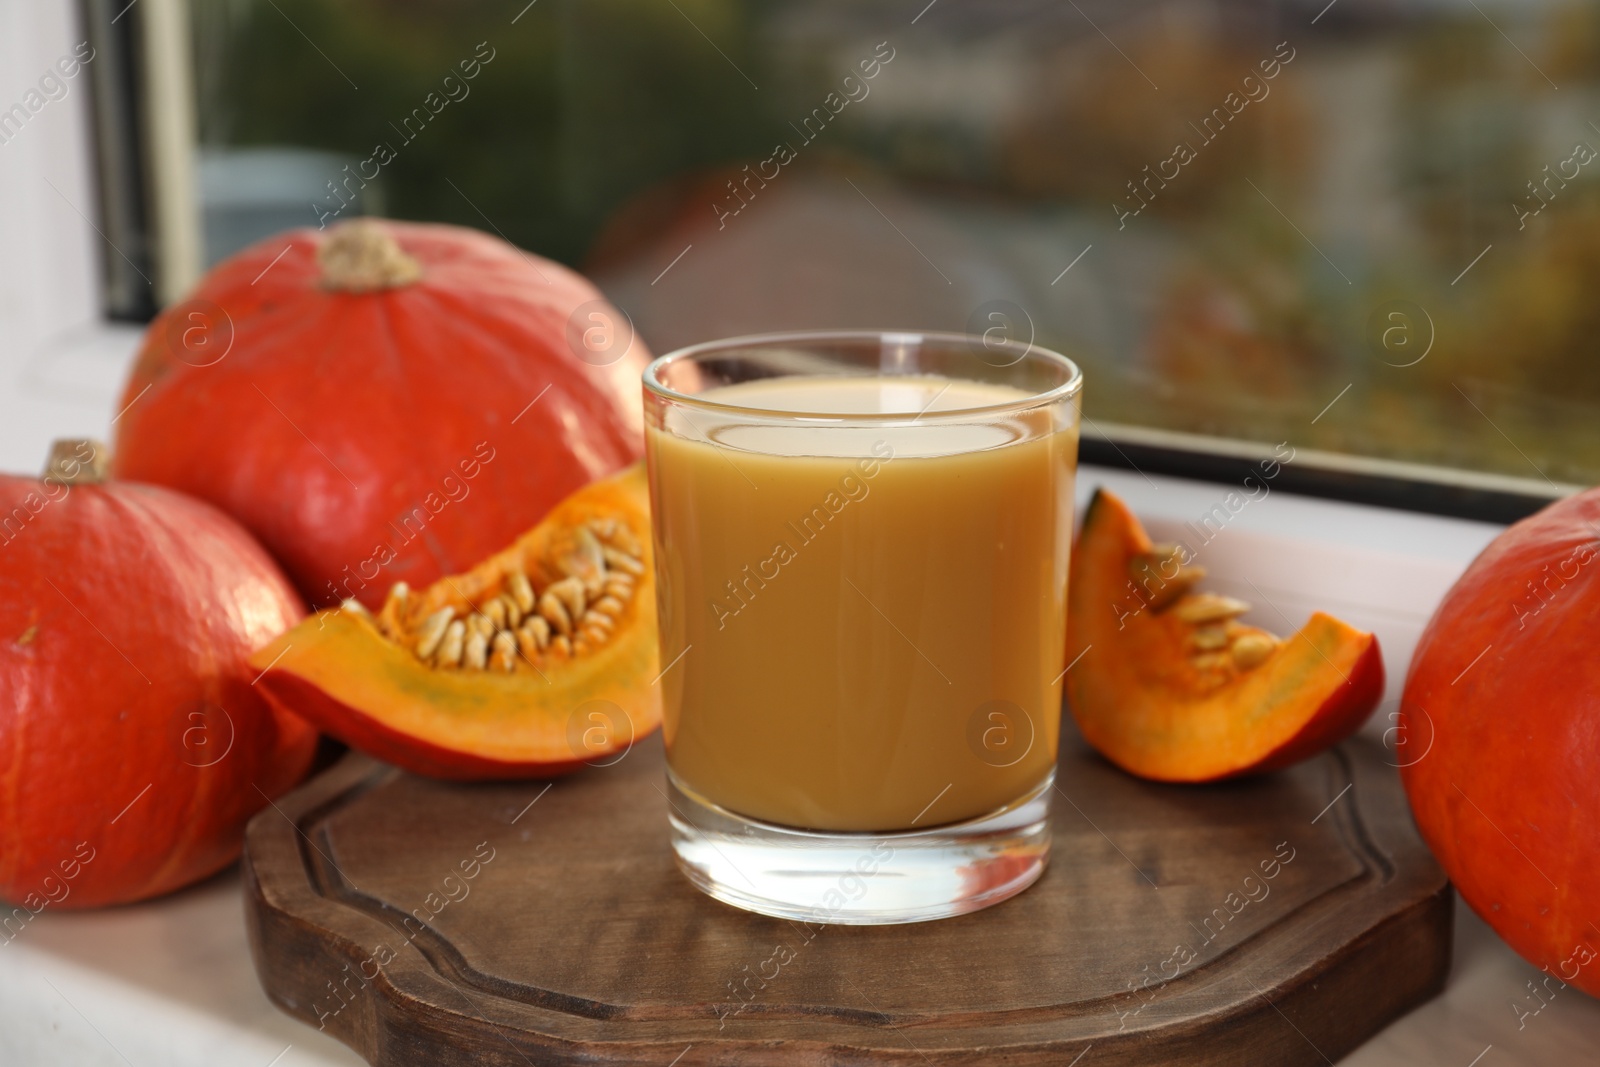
1361, 226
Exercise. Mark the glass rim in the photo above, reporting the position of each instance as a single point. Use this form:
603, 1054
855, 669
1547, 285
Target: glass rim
1054, 395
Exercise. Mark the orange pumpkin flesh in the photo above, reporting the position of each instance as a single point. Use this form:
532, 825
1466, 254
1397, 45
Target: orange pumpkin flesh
133, 748
1158, 706
392, 685
383, 401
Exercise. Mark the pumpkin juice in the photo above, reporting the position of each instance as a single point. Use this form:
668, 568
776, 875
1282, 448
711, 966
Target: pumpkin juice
870, 615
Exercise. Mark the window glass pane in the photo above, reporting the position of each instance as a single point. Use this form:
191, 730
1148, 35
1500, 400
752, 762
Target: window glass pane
1360, 226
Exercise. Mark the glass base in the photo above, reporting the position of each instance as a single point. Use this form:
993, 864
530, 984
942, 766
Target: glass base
861, 878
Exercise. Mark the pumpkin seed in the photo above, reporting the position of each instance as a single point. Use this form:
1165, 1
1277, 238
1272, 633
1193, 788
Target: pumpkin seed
622, 561
433, 631
355, 607
623, 538
1209, 638
1252, 649
527, 643
570, 592
608, 605
514, 612
560, 644
480, 623
590, 556
495, 612
538, 629
394, 609
505, 651
451, 647
555, 612
1208, 607
476, 654
1160, 577
521, 591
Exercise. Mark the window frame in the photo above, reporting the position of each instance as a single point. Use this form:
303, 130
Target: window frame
138, 202
143, 128
1349, 477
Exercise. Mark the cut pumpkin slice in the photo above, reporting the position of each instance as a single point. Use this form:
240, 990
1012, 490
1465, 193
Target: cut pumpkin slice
535, 662
1170, 685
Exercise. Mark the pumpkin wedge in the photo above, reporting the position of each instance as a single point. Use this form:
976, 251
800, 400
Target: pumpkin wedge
540, 659
1170, 685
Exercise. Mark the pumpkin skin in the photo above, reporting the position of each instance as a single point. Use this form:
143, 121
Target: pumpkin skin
397, 430
1138, 700
339, 670
1500, 738
133, 748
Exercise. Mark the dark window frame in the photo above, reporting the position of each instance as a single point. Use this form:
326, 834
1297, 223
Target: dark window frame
1352, 478
124, 193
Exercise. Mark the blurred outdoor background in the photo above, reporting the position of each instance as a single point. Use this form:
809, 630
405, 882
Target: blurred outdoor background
1390, 247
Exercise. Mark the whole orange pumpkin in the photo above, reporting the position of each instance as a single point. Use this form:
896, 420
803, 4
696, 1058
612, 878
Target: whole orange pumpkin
1500, 738
133, 747
383, 401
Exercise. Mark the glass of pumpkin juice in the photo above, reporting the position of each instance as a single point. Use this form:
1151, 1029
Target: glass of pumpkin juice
862, 543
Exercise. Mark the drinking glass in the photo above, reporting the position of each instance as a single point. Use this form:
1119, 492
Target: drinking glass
862, 542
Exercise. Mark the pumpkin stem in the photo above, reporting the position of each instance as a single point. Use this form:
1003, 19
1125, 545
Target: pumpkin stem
78, 461
361, 257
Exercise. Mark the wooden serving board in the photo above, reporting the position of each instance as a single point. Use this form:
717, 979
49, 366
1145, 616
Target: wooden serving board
1280, 920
